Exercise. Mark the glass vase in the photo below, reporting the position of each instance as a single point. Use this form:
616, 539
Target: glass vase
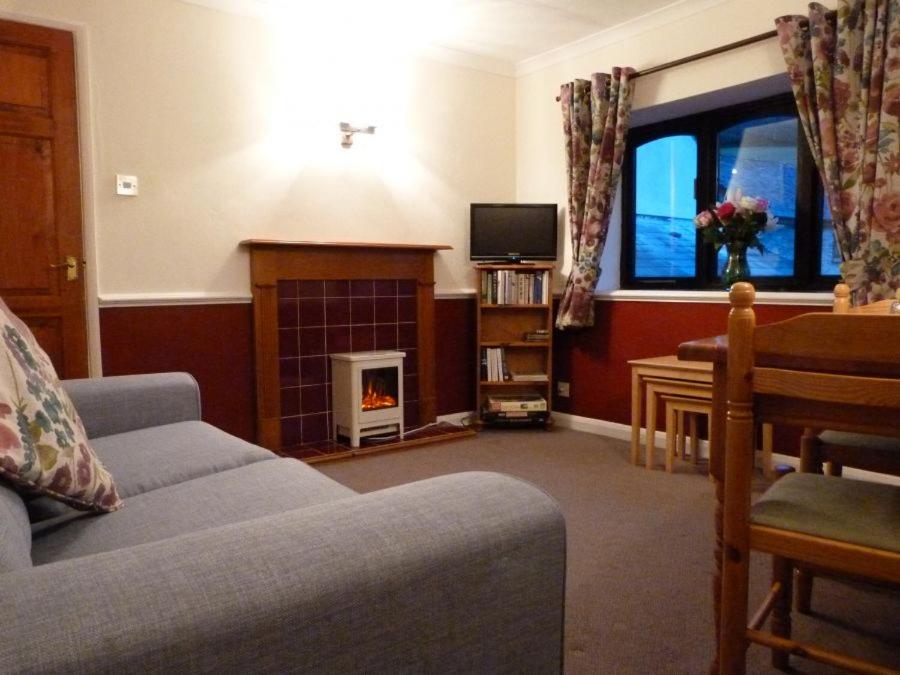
736, 266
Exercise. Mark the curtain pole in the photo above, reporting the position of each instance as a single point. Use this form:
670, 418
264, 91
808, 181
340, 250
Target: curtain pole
703, 55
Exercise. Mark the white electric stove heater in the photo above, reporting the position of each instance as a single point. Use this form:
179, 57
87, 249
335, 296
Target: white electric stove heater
367, 394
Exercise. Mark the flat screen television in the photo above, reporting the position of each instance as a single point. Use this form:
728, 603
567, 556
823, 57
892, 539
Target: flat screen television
513, 232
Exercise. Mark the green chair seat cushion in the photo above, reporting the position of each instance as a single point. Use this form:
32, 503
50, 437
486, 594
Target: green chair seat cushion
886, 443
853, 511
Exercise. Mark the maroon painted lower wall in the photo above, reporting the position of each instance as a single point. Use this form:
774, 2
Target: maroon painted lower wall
215, 344
455, 350
212, 342
595, 360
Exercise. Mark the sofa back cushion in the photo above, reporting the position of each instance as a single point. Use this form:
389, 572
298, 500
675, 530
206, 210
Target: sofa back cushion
43, 446
15, 531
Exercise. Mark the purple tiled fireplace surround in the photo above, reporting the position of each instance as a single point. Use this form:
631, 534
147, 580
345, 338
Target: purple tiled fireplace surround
317, 318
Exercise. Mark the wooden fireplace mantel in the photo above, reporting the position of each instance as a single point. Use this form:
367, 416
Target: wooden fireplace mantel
271, 260
254, 243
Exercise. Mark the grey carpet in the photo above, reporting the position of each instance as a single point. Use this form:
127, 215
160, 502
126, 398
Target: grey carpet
640, 553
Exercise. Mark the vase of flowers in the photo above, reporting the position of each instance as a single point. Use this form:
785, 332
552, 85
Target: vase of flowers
737, 267
736, 224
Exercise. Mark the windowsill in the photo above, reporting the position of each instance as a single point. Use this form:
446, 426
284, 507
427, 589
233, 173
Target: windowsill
823, 298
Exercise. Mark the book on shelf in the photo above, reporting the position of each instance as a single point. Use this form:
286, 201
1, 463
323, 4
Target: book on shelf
493, 364
510, 413
516, 416
526, 402
514, 287
539, 335
528, 377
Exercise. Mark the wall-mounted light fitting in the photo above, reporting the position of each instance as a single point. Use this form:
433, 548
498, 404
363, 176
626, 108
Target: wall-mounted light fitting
347, 132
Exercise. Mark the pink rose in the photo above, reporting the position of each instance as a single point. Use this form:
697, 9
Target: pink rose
748, 203
703, 219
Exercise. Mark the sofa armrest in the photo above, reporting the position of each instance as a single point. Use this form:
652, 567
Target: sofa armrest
461, 573
113, 405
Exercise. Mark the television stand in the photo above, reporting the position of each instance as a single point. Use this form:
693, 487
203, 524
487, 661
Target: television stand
515, 344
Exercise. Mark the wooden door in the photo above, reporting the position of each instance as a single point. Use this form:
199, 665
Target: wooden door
41, 255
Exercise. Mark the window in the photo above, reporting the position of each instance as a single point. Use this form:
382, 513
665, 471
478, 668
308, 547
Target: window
665, 244
676, 168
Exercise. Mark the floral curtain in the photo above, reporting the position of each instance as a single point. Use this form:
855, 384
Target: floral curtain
595, 121
844, 68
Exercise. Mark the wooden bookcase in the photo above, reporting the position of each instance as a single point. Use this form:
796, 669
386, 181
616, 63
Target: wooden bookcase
504, 326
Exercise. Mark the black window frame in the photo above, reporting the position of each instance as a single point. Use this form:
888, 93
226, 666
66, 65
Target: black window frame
704, 127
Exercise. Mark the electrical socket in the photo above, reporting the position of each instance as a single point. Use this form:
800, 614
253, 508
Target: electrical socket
562, 388
126, 185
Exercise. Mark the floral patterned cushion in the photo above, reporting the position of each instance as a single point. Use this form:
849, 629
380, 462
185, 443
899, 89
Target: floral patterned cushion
43, 446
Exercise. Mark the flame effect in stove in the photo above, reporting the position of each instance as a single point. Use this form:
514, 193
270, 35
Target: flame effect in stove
374, 398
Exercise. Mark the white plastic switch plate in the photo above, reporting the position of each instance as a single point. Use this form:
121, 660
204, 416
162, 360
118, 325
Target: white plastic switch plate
562, 388
126, 185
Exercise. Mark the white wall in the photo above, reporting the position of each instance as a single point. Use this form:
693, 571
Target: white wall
232, 132
540, 157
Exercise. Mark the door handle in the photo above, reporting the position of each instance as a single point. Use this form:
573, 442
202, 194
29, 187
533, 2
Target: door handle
71, 265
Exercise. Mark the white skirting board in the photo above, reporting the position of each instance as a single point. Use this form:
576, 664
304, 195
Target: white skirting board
615, 430
589, 425
622, 432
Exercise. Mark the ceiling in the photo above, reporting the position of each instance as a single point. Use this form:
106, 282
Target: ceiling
504, 31
515, 30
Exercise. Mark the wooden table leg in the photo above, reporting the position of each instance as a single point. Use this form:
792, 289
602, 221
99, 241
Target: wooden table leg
695, 440
636, 396
651, 424
717, 475
671, 435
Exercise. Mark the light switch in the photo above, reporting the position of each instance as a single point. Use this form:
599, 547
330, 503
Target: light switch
126, 185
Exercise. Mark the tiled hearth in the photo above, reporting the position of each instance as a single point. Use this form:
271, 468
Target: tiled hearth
317, 318
313, 298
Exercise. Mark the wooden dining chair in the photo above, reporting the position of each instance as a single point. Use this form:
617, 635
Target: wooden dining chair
832, 450
820, 370
841, 303
829, 451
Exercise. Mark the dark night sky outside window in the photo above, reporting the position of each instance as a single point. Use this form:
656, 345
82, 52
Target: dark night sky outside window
675, 168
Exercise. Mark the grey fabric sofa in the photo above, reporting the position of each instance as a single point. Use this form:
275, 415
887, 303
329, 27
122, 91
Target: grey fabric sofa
228, 558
